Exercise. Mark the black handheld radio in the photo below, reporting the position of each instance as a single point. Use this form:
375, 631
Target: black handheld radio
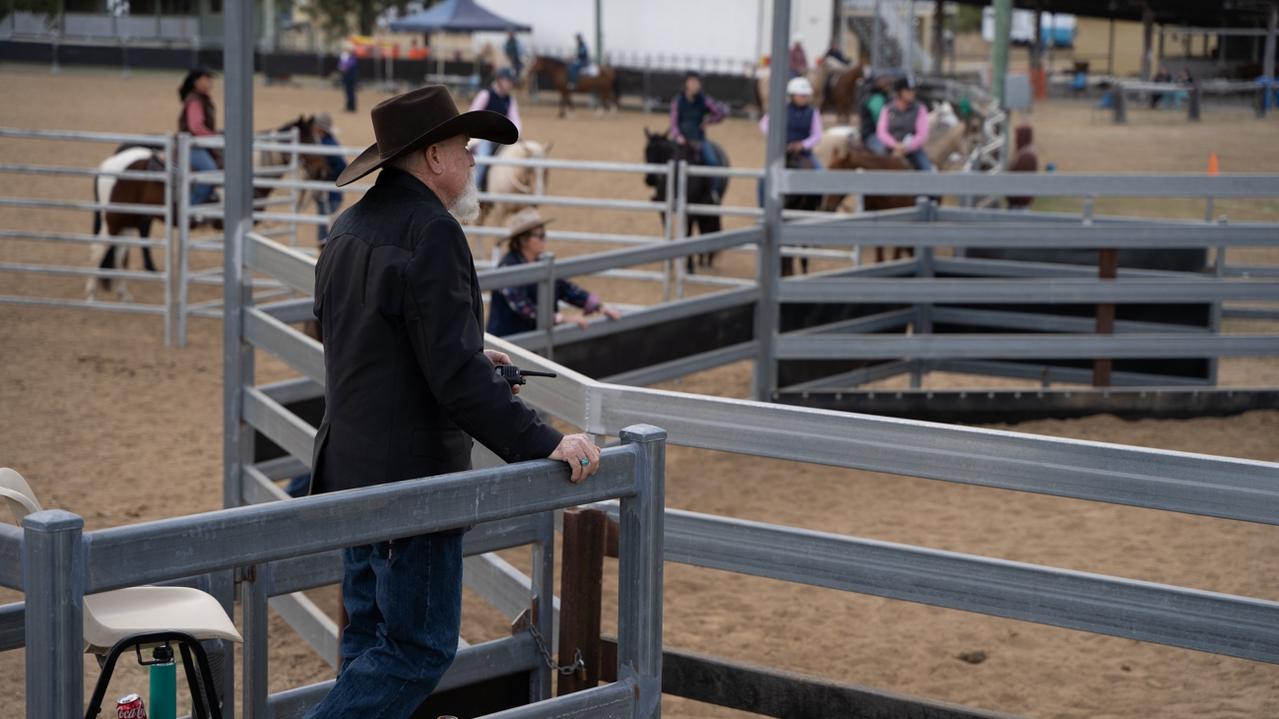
514, 375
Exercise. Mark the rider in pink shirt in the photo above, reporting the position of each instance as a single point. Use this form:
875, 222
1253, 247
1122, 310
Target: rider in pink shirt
903, 128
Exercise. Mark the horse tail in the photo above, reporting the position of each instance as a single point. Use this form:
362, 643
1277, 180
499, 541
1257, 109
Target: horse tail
617, 87
97, 213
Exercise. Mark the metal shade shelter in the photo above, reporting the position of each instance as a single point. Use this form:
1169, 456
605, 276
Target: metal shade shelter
457, 16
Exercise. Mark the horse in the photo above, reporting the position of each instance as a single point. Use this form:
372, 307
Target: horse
837, 88
117, 191
604, 84
808, 203
659, 149
859, 158
513, 180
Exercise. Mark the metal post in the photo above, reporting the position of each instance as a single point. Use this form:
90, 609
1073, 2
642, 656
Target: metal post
543, 582
170, 293
1268, 62
599, 32
670, 229
294, 193
939, 37
237, 292
1147, 37
222, 587
768, 263
909, 40
1214, 315
923, 312
681, 227
1120, 104
999, 50
183, 181
254, 621
546, 303
876, 49
53, 578
639, 567
1110, 52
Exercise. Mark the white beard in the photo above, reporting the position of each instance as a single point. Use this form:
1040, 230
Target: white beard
466, 208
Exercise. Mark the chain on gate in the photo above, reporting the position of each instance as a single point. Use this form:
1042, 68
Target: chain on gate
577, 667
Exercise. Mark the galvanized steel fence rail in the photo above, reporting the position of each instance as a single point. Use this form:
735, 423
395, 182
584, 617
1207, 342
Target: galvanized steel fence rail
1171, 481
61, 564
165, 213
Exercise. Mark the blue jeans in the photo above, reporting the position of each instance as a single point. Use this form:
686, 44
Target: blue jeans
202, 161
403, 600
483, 148
326, 203
574, 70
919, 160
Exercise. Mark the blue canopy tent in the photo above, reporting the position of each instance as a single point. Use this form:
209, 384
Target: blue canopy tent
457, 16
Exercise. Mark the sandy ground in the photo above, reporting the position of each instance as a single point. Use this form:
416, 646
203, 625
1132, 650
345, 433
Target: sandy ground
109, 423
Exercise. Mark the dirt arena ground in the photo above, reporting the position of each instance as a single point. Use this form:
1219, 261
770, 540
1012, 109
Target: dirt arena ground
109, 423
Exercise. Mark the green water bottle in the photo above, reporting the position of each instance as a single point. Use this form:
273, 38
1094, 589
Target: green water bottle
164, 684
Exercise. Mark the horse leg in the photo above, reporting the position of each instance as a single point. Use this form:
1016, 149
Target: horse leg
144, 232
879, 253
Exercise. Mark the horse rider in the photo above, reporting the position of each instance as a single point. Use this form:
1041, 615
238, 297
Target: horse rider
798, 58
803, 127
581, 60
514, 309
835, 54
514, 54
691, 111
199, 117
803, 122
496, 98
871, 107
327, 203
903, 127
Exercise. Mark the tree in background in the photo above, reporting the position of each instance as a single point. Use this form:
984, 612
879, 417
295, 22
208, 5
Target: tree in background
338, 18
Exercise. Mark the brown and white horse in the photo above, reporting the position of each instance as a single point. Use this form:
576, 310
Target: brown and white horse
107, 224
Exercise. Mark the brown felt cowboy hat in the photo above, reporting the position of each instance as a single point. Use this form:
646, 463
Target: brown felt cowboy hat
420, 118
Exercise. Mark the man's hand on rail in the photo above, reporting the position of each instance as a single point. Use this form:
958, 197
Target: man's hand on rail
575, 448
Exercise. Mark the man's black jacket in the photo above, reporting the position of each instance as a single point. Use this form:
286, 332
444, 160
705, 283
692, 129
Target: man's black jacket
406, 379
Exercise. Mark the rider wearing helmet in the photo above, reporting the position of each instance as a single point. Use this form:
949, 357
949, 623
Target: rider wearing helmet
803, 128
803, 122
496, 98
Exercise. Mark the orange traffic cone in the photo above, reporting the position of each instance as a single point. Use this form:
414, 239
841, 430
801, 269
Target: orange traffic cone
1214, 166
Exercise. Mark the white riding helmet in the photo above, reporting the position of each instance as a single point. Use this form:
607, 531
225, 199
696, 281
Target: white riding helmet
799, 86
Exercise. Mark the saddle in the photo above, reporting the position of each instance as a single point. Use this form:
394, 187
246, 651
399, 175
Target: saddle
591, 70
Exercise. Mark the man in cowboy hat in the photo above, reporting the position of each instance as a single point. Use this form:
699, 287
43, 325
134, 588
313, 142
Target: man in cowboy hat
407, 385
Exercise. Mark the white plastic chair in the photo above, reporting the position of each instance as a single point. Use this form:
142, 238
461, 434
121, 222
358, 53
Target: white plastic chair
117, 621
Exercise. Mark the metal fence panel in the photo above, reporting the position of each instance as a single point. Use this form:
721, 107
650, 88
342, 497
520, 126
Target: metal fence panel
10, 556
1207, 621
1175, 481
1153, 235
142, 553
1025, 184
1073, 290
1031, 346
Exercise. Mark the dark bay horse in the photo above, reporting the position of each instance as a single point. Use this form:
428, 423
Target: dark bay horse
116, 191
603, 85
659, 150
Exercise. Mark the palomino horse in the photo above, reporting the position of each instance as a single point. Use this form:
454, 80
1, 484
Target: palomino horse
603, 84
513, 180
108, 256
660, 149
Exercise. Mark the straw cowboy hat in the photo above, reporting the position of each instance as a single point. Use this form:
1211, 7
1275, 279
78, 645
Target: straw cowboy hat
526, 220
420, 118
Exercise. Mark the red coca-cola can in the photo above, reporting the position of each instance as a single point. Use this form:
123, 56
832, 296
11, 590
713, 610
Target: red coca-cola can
130, 707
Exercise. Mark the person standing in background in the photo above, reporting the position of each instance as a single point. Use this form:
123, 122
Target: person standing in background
798, 58
349, 67
327, 203
514, 54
